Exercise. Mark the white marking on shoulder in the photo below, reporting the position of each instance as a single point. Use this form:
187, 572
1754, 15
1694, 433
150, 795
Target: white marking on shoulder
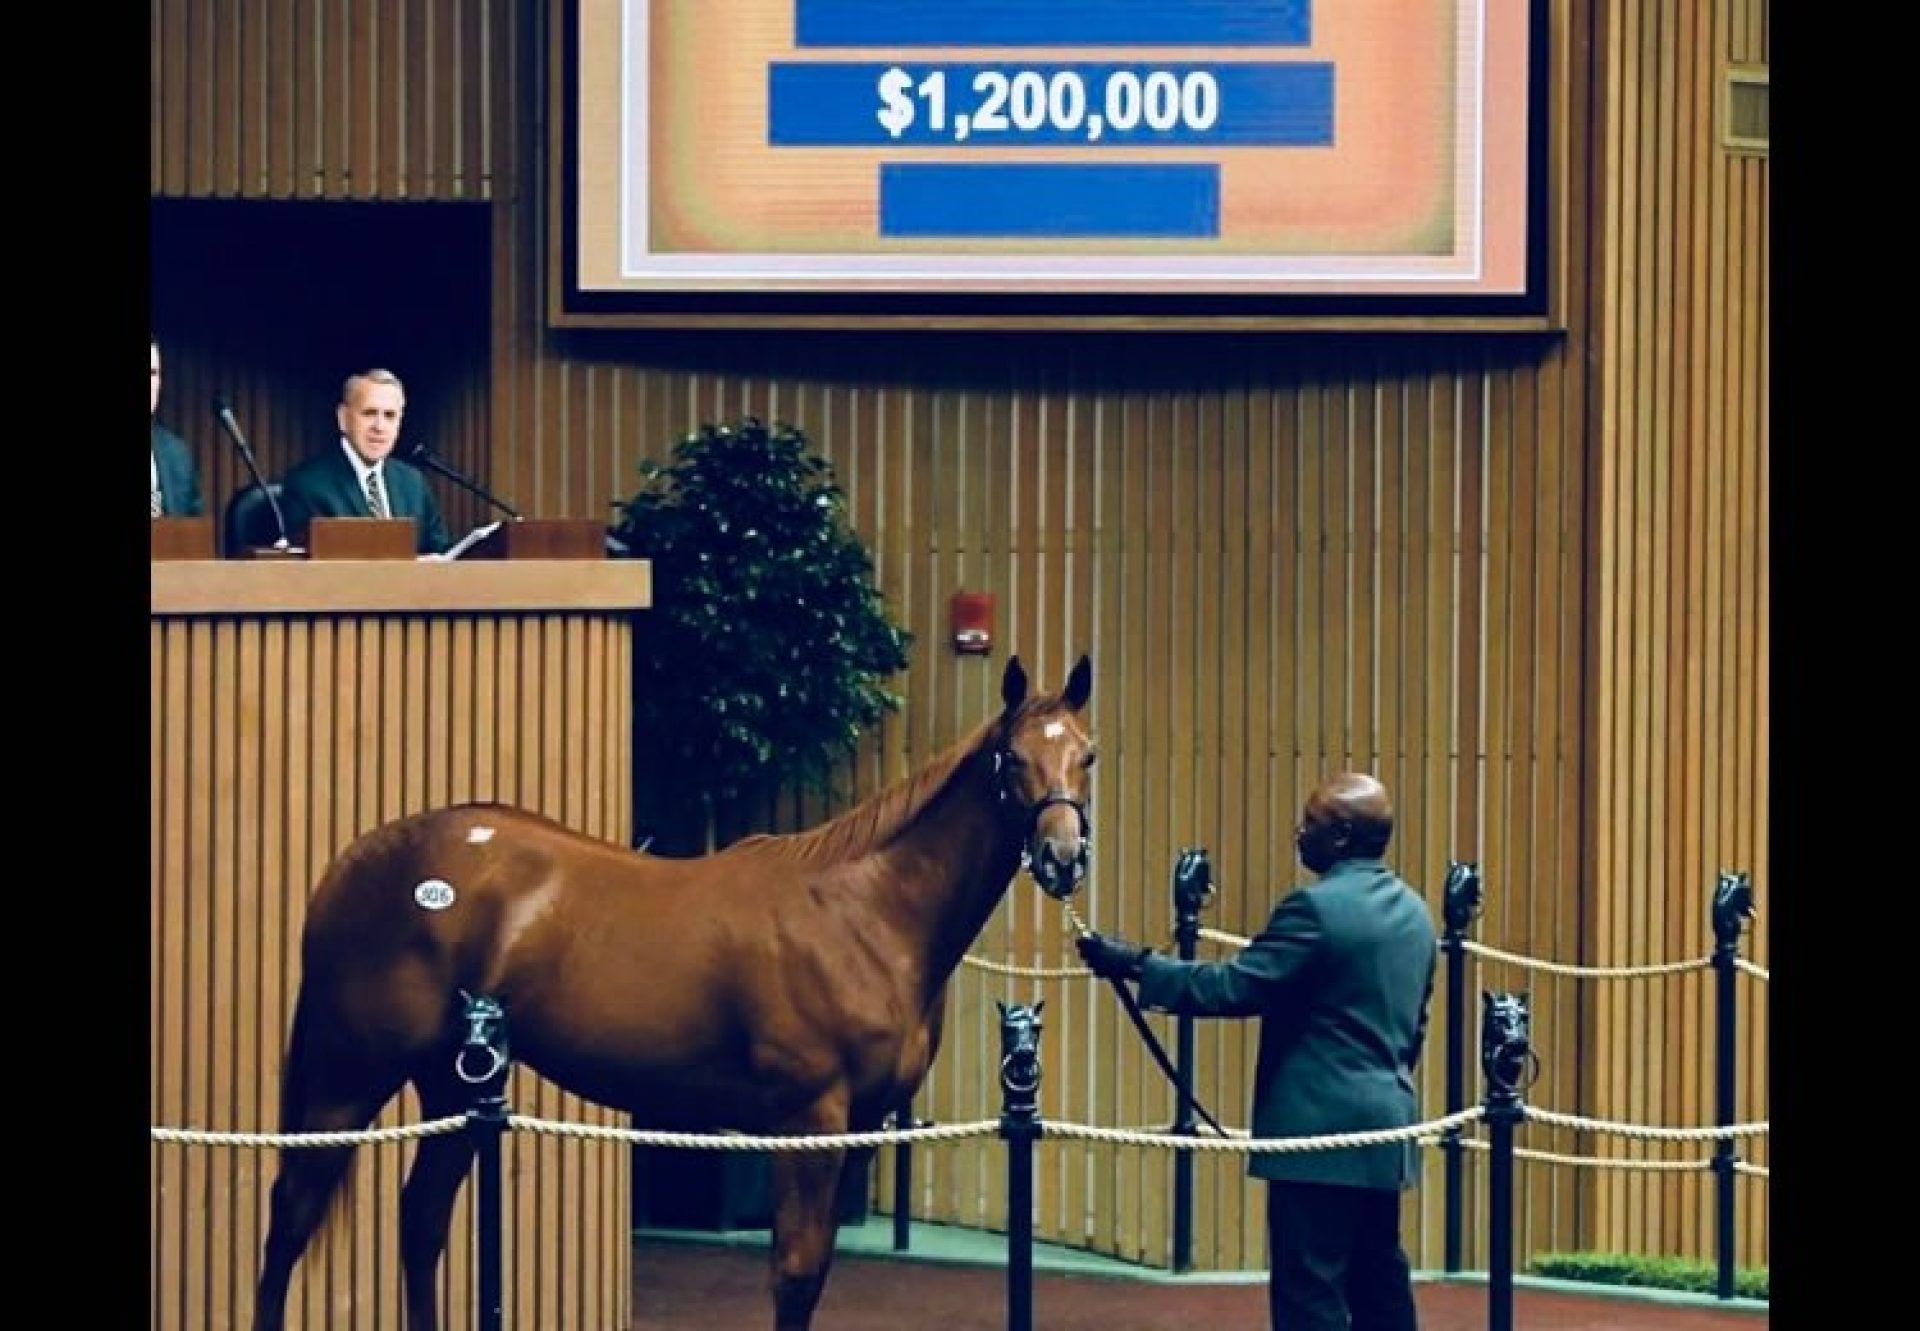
479, 836
434, 894
1054, 729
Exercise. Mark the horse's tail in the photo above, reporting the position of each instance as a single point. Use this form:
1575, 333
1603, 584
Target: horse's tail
297, 1102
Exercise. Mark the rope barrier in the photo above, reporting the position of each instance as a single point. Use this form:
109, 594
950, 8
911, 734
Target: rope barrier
1645, 1133
1261, 1145
1236, 1139
743, 1142
1593, 972
1554, 967
196, 1137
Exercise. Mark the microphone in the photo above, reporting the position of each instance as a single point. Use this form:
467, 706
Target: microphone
421, 454
224, 411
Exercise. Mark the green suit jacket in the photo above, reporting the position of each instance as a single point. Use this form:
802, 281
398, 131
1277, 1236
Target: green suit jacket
1341, 979
325, 486
179, 481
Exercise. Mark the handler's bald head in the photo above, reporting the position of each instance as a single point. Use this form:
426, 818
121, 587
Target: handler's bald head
1348, 816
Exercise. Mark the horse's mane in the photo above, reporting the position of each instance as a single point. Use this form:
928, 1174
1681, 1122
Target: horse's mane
877, 819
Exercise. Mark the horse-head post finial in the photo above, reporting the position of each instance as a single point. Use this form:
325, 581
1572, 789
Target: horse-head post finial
1732, 908
1020, 1028
483, 1056
1460, 897
1192, 887
1506, 1046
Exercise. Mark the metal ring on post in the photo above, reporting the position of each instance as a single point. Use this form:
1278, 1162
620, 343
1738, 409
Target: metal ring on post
497, 1061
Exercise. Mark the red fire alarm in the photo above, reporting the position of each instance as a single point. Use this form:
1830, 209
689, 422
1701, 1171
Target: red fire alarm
973, 623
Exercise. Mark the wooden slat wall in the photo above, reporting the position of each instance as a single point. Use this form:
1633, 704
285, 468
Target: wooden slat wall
324, 99
1680, 746
275, 741
1526, 582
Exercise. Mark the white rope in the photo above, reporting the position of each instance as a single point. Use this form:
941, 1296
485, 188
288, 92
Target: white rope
1594, 972
1596, 1161
1236, 1140
195, 1137
1249, 1145
1645, 1133
1553, 967
730, 1141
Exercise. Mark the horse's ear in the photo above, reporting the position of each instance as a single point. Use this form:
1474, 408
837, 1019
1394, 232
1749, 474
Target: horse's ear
1080, 683
1013, 684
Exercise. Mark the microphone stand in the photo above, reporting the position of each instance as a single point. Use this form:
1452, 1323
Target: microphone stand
232, 427
421, 454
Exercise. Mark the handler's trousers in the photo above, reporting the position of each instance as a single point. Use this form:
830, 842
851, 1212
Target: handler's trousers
1335, 1259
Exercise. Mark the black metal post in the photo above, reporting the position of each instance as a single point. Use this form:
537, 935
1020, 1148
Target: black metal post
1460, 906
1020, 1127
483, 1064
1732, 904
1506, 1063
1192, 888
902, 1178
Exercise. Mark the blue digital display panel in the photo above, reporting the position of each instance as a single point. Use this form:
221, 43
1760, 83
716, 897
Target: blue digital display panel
904, 23
1055, 199
844, 105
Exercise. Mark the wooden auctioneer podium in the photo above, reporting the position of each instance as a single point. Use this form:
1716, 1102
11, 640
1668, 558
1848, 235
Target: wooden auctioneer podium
295, 703
544, 538
180, 538
520, 538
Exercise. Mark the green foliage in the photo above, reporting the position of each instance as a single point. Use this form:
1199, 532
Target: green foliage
1681, 1273
768, 647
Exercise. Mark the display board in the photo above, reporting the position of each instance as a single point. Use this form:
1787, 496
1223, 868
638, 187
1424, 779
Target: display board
1023, 155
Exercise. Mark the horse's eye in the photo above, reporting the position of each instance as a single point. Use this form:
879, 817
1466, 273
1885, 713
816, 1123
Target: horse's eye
1086, 759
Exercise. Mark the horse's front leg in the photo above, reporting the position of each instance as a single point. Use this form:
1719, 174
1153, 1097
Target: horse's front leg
805, 1185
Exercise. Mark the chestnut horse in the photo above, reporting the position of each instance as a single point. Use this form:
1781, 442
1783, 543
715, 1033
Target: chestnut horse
784, 985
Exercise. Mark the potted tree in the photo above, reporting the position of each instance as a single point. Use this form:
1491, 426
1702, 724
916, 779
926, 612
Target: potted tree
765, 657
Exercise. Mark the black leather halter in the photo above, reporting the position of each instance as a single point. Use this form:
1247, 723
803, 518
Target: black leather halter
1031, 814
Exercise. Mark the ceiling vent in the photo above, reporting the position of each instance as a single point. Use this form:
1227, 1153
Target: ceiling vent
1744, 118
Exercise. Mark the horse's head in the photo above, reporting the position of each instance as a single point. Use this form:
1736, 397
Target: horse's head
1041, 764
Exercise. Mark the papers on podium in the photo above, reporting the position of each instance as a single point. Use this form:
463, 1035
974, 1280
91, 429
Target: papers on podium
465, 543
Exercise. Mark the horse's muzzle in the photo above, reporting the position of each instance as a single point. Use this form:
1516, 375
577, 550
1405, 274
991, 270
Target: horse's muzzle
1059, 877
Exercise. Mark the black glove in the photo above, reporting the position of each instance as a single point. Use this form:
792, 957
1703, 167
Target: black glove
1111, 958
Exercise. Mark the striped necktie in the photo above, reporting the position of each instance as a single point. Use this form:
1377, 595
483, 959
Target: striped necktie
376, 497
154, 507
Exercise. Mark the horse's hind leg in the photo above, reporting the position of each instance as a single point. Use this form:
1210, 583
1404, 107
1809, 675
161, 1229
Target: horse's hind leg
426, 1202
309, 1176
805, 1185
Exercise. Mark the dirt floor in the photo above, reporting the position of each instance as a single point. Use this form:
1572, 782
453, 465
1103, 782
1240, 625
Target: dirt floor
707, 1288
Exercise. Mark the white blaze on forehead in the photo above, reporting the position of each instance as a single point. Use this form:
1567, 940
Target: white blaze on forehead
1054, 729
479, 836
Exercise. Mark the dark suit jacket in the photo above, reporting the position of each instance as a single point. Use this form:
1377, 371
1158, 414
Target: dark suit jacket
325, 486
1341, 978
179, 483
